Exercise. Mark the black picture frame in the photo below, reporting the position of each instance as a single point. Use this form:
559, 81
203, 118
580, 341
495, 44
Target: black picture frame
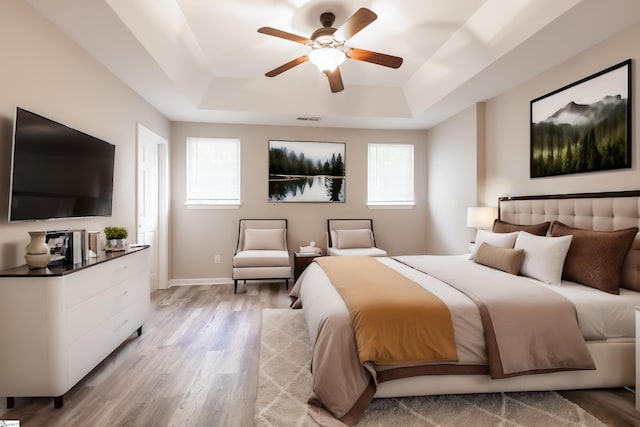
307, 171
584, 126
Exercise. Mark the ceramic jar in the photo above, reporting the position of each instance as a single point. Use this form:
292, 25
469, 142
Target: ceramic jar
38, 255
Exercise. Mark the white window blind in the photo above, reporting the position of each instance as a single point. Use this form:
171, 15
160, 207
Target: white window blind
213, 171
390, 174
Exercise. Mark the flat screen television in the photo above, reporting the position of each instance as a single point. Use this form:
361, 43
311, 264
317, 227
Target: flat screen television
57, 171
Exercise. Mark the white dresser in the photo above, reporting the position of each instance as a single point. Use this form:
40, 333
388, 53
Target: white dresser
57, 324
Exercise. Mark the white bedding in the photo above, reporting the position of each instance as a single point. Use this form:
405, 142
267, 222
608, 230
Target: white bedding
601, 315
606, 318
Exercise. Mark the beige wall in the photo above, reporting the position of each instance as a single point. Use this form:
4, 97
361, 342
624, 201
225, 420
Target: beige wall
43, 71
470, 159
507, 127
453, 150
481, 153
198, 234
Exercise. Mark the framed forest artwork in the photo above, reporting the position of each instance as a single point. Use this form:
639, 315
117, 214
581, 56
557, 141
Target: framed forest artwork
583, 127
304, 171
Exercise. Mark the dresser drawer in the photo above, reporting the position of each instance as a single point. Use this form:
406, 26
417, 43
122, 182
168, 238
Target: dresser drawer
84, 284
85, 316
90, 349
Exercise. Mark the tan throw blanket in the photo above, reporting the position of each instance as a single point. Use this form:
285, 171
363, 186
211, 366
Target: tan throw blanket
528, 329
395, 320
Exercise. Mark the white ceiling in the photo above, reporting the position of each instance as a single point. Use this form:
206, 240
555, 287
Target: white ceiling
204, 61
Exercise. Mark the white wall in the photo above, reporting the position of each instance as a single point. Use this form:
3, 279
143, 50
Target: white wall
197, 235
43, 71
507, 127
453, 149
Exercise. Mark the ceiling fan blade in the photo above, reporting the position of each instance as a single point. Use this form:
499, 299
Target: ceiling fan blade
374, 57
357, 22
335, 80
287, 66
283, 35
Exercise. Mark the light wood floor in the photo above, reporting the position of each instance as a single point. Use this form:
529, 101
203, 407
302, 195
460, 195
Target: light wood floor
196, 364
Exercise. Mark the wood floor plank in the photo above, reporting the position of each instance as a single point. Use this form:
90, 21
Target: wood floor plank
196, 364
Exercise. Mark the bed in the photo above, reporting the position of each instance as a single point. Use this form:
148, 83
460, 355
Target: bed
599, 315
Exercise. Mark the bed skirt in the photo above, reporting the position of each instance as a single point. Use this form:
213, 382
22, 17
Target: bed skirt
615, 367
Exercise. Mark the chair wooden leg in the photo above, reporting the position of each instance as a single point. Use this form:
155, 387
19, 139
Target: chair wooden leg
235, 285
286, 283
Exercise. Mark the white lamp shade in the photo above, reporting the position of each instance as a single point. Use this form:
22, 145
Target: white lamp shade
326, 58
481, 217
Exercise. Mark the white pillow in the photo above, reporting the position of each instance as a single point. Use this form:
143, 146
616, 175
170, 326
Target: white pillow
351, 239
500, 240
543, 256
264, 239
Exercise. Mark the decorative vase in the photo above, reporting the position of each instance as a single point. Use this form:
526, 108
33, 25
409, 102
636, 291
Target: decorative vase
38, 255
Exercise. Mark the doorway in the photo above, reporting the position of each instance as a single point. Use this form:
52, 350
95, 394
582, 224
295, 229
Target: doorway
153, 203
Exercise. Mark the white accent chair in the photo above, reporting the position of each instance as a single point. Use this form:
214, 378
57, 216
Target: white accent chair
262, 251
352, 237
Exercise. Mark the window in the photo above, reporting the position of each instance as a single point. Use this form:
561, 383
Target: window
213, 171
390, 175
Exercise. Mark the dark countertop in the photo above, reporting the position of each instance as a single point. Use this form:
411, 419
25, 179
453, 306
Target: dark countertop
62, 269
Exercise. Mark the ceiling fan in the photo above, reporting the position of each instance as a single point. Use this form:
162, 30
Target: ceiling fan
328, 47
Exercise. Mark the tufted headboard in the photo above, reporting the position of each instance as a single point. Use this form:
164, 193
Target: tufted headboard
592, 211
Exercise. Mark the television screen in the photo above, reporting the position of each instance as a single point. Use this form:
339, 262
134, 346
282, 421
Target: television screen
58, 172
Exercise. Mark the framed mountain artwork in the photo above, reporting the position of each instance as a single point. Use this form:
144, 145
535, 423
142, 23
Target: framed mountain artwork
583, 127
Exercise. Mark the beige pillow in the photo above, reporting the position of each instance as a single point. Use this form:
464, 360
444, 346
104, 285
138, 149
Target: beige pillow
501, 240
264, 239
352, 239
500, 226
595, 258
504, 259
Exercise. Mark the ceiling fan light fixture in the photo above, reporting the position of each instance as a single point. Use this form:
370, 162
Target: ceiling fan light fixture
328, 48
326, 58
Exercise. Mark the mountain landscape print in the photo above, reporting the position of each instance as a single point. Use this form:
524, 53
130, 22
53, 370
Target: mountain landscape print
584, 127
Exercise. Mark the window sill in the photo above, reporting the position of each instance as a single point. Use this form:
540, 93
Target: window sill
211, 206
392, 206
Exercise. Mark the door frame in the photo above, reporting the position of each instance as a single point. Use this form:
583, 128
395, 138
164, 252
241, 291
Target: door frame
163, 199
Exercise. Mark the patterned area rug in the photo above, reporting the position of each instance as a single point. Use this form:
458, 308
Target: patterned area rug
284, 385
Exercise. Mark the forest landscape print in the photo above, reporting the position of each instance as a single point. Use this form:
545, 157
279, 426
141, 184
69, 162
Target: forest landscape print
302, 171
583, 127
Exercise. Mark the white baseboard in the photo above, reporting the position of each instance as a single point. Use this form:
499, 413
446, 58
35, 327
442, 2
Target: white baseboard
214, 281
201, 282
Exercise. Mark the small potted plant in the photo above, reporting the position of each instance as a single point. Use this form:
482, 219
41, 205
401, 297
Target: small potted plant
116, 238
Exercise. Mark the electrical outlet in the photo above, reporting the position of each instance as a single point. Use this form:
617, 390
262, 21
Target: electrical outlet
216, 259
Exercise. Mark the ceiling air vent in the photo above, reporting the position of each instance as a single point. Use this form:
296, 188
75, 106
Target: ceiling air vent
309, 119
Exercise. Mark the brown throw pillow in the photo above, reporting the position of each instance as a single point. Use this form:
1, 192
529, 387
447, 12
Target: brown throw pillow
504, 259
500, 226
595, 258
